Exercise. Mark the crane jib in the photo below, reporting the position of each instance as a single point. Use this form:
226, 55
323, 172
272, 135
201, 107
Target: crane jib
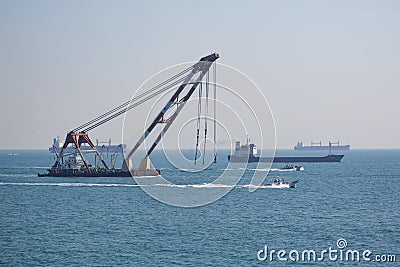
203, 67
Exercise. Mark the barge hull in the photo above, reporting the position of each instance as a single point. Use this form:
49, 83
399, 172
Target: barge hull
322, 148
107, 173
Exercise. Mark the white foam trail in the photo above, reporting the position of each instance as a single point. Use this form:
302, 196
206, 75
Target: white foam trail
147, 177
70, 184
195, 185
202, 186
234, 169
259, 187
213, 186
194, 170
264, 169
209, 186
17, 175
171, 185
282, 170
23, 167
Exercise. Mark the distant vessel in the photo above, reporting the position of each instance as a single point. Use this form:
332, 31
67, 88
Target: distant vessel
248, 153
290, 167
102, 147
317, 146
280, 183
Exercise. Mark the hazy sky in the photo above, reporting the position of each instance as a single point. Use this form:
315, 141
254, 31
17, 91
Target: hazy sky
329, 69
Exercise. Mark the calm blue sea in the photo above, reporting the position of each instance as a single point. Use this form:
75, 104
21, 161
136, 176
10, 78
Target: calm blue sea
110, 221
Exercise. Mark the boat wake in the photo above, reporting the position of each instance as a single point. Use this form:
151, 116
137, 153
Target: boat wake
17, 175
283, 170
233, 169
69, 184
205, 185
261, 169
23, 167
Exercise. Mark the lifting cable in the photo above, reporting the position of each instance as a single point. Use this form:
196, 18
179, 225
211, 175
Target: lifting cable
135, 104
131, 103
205, 116
198, 121
215, 110
206, 110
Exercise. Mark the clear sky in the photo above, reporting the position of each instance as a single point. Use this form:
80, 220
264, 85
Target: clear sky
329, 69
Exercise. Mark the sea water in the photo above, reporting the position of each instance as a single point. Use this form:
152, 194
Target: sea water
111, 221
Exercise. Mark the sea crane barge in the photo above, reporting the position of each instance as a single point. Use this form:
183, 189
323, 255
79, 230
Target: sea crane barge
71, 159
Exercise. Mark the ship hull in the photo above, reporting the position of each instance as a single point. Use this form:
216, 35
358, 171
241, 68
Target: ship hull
329, 158
322, 148
99, 173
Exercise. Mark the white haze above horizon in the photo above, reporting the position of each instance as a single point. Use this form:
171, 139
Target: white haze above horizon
329, 69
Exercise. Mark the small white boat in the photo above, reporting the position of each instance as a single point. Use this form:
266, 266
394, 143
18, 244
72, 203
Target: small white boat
280, 183
299, 168
290, 167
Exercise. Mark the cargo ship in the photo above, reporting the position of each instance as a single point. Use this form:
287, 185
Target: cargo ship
317, 146
248, 153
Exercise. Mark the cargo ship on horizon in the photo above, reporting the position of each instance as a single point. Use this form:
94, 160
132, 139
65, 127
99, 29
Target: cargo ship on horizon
248, 153
317, 146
